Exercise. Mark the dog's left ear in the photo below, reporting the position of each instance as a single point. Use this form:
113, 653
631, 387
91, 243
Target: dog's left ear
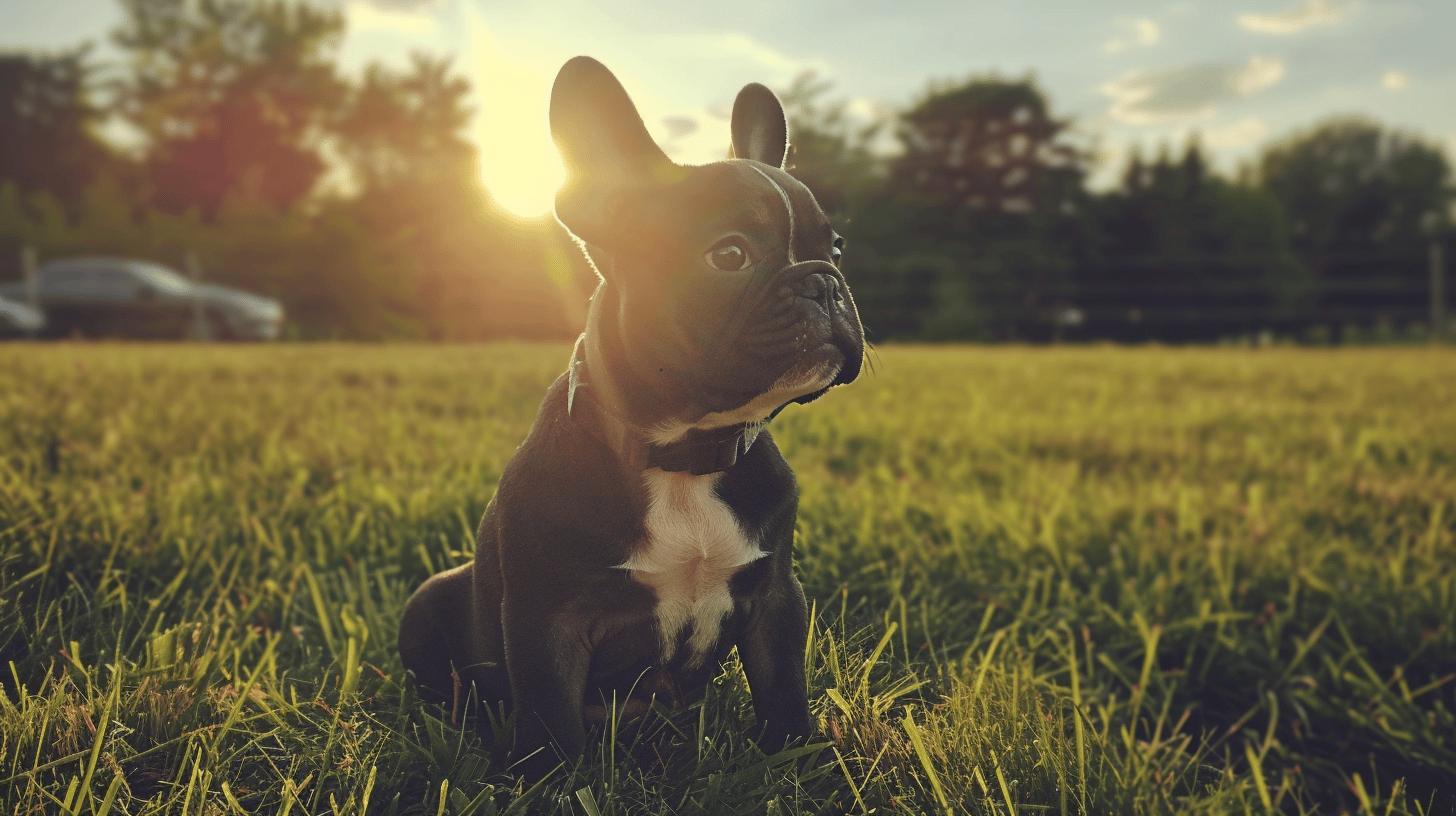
760, 131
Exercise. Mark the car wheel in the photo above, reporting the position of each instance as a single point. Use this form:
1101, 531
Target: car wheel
219, 329
205, 327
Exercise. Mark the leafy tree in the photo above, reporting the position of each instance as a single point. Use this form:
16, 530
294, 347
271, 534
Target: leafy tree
403, 129
229, 94
48, 121
993, 181
989, 147
1361, 198
1186, 255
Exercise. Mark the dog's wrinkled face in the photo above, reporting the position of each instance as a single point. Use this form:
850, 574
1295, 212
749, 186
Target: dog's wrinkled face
721, 282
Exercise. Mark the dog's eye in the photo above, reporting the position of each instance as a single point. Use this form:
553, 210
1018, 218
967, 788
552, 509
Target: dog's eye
729, 255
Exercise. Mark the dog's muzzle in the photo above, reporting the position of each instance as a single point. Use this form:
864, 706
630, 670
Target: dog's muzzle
823, 286
818, 280
821, 282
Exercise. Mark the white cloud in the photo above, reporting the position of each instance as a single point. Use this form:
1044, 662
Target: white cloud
1189, 91
1304, 14
698, 137
1148, 32
1259, 73
361, 15
1235, 135
1395, 80
404, 5
862, 108
1134, 32
739, 45
678, 127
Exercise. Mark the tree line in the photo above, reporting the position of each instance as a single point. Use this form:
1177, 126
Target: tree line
356, 200
981, 225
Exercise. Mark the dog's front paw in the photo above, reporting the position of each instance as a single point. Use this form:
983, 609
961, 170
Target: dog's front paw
535, 764
775, 735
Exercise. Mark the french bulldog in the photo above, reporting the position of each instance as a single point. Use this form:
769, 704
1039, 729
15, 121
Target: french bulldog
645, 527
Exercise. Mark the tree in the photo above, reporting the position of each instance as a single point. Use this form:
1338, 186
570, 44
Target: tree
403, 129
989, 146
1186, 255
1360, 198
228, 94
993, 181
48, 124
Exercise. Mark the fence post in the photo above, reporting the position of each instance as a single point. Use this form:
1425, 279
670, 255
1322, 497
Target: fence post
201, 328
28, 269
1438, 291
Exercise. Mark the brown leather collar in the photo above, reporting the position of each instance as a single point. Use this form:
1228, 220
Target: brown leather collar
699, 452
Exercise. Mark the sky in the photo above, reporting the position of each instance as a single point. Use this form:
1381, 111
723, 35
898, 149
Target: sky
1128, 72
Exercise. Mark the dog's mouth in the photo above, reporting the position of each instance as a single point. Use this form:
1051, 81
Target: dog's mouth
846, 347
835, 361
839, 368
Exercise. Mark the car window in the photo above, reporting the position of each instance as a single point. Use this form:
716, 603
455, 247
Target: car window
60, 276
112, 283
89, 280
110, 280
160, 277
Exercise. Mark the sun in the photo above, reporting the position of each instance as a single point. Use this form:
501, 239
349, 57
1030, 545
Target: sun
519, 165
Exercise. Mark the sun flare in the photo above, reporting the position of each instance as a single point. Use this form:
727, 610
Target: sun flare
519, 165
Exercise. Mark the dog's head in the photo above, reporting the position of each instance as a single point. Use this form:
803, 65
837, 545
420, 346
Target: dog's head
721, 296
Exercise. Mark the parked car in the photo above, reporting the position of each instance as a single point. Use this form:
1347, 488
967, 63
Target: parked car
19, 320
119, 297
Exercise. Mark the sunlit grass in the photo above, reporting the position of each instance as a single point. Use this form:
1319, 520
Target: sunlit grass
1046, 581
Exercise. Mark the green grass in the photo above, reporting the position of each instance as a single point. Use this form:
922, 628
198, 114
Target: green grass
1046, 581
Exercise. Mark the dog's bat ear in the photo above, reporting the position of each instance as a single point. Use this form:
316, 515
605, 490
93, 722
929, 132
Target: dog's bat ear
595, 125
604, 146
760, 131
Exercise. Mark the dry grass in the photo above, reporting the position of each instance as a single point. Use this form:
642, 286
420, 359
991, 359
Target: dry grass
1090, 580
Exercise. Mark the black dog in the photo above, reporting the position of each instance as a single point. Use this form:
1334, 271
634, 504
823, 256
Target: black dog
646, 525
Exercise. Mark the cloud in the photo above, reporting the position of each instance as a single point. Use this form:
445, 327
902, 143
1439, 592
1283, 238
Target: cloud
1395, 81
1134, 32
863, 108
677, 127
691, 135
1189, 91
1243, 133
416, 6
411, 16
1304, 14
735, 44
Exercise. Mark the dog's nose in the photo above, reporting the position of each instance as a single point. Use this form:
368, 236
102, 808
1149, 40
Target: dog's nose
822, 288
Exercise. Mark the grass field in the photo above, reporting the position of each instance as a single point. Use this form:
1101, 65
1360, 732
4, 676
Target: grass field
1046, 581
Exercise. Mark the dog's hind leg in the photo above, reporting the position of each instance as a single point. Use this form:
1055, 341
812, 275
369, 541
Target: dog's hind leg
438, 640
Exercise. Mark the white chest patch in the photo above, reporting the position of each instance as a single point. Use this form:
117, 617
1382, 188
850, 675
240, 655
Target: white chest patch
693, 546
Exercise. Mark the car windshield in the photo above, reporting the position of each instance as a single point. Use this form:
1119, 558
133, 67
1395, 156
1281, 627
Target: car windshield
163, 278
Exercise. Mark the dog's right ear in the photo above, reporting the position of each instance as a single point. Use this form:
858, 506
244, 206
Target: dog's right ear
605, 148
760, 130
